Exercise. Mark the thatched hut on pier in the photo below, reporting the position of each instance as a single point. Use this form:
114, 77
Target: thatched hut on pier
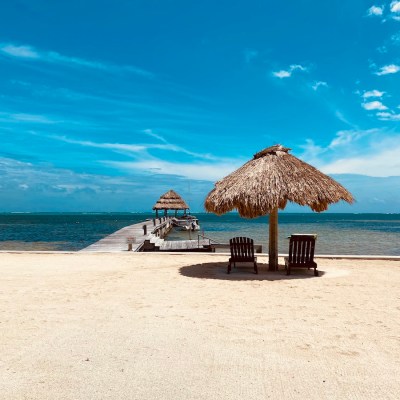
267, 182
170, 201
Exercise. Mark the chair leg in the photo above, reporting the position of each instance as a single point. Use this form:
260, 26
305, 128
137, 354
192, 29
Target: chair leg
315, 272
287, 270
229, 269
255, 268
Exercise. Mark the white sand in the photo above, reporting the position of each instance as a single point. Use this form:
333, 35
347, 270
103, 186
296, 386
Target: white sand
156, 326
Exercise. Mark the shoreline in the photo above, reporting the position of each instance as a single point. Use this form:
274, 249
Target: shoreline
194, 254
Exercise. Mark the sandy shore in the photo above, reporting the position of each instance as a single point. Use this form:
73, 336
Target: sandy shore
156, 326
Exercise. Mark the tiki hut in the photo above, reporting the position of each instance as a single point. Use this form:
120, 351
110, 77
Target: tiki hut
170, 201
266, 183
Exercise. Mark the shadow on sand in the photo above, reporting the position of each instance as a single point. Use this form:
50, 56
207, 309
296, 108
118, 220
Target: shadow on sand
217, 270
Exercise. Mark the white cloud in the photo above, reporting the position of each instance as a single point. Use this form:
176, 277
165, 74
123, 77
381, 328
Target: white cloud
342, 138
388, 69
372, 152
387, 116
297, 66
30, 53
288, 73
19, 51
372, 93
395, 6
155, 135
374, 105
111, 146
282, 74
40, 176
312, 151
341, 117
20, 117
346, 137
136, 149
316, 85
381, 163
376, 10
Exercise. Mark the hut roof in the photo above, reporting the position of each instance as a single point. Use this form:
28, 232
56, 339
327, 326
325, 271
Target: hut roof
170, 201
271, 179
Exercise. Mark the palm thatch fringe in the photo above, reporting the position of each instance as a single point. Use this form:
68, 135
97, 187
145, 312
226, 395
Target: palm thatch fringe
271, 179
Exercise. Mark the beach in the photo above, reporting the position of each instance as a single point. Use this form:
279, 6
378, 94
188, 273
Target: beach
176, 326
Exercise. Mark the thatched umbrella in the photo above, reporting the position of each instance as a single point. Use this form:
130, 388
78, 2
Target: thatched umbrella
267, 182
170, 201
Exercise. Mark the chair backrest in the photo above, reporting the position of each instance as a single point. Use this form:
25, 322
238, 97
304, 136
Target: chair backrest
241, 248
301, 249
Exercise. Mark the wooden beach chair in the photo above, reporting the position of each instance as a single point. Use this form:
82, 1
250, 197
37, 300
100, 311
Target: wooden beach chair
301, 253
242, 250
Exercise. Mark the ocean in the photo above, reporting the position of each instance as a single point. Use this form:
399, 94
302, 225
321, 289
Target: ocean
359, 234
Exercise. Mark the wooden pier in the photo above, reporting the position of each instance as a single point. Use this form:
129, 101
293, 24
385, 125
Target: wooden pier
146, 236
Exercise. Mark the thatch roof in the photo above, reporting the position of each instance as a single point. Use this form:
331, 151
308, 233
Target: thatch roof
170, 201
271, 179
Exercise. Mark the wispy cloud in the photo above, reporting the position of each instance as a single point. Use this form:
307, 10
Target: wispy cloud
382, 163
374, 105
388, 116
288, 73
344, 138
375, 11
372, 93
30, 118
388, 69
371, 152
250, 55
154, 135
141, 150
341, 117
19, 51
319, 84
111, 146
200, 171
382, 49
200, 166
26, 52
395, 39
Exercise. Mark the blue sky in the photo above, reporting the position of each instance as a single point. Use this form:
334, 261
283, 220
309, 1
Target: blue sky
105, 105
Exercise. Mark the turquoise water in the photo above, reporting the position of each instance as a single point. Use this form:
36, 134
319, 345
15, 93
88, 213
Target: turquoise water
374, 234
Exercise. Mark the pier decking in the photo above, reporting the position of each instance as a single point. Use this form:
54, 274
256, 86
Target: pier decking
145, 236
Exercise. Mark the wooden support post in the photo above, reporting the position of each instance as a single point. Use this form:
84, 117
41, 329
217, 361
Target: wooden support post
144, 229
273, 241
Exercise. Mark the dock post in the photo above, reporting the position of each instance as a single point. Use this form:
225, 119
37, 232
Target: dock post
130, 240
